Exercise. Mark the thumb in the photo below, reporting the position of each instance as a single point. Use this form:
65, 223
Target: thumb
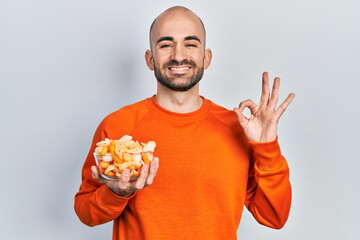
95, 172
241, 118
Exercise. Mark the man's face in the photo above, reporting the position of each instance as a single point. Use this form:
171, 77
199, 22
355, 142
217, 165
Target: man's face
178, 55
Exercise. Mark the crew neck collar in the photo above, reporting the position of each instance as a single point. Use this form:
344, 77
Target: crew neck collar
191, 116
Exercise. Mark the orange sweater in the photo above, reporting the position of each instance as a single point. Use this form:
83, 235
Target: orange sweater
208, 171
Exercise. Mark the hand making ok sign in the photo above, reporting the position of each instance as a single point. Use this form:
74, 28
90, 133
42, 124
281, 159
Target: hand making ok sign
262, 125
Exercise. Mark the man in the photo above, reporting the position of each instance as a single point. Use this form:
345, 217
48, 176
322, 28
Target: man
213, 161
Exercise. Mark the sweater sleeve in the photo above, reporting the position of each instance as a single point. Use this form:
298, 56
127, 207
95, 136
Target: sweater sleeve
95, 203
268, 196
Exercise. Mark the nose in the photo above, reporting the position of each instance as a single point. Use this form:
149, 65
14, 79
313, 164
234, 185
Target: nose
178, 53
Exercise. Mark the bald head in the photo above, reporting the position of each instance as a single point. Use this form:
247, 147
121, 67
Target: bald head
178, 56
178, 15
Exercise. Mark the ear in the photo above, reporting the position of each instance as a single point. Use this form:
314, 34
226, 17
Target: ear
207, 58
149, 59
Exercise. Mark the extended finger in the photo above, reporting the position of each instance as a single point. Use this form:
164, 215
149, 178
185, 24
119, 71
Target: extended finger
140, 183
124, 179
153, 170
284, 105
274, 94
265, 89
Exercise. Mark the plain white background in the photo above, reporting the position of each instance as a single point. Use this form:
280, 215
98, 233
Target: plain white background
65, 65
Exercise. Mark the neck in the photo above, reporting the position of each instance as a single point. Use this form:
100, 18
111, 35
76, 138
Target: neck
180, 102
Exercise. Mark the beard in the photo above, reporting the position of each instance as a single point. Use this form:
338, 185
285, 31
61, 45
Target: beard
183, 85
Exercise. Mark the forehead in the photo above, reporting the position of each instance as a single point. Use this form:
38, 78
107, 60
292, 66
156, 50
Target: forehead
177, 24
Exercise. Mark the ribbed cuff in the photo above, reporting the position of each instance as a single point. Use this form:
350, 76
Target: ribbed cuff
267, 155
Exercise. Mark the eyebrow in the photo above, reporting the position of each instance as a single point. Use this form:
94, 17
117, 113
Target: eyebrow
172, 39
165, 39
193, 38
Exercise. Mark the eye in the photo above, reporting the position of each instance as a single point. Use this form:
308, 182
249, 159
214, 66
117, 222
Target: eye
165, 45
191, 45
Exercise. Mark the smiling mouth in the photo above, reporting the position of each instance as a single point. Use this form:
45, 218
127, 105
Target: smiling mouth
179, 69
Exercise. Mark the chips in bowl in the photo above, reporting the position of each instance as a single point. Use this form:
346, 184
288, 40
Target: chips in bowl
114, 156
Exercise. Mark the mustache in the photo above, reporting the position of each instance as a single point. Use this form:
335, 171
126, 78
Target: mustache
173, 63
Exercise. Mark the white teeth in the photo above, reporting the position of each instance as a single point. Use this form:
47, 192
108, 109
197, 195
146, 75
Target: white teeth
178, 69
